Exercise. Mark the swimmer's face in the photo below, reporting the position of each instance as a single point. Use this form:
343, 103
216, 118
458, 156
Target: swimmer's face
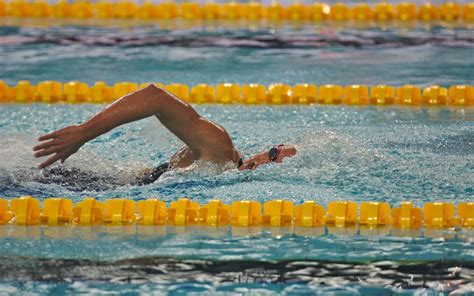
263, 158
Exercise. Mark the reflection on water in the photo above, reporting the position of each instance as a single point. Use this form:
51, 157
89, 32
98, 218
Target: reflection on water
172, 275
356, 244
100, 259
321, 55
309, 37
142, 232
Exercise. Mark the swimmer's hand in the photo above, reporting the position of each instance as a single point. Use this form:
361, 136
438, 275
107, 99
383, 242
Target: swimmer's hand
254, 162
62, 143
257, 160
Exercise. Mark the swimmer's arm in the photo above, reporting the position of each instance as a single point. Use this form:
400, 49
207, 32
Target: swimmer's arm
202, 136
179, 117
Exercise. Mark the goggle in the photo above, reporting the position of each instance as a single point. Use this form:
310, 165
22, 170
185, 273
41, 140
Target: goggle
274, 152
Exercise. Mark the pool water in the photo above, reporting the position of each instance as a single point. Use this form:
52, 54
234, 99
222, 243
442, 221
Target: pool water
362, 154
318, 54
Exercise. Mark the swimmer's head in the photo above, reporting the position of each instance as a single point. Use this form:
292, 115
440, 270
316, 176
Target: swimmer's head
275, 154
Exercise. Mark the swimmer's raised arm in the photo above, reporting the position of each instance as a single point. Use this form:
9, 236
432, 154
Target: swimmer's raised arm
206, 139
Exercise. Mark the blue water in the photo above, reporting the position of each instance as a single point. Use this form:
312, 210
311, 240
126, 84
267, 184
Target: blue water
361, 154
313, 54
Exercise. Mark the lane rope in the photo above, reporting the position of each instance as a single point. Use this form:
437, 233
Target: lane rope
251, 11
247, 94
26, 210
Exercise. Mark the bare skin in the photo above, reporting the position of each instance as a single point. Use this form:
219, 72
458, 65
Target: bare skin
203, 139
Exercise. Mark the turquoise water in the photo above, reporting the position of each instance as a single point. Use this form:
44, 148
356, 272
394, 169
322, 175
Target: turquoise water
312, 54
378, 154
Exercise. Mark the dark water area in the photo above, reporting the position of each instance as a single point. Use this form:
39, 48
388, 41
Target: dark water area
403, 275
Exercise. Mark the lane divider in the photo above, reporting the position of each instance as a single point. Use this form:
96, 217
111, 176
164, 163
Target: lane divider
26, 210
251, 11
248, 94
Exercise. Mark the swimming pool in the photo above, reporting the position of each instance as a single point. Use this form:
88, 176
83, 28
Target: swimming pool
368, 153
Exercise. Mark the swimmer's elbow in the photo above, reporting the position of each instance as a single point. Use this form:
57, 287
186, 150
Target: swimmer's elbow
154, 91
157, 97
152, 87
161, 96
169, 108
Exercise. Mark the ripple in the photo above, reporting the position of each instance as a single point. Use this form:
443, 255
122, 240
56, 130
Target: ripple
238, 276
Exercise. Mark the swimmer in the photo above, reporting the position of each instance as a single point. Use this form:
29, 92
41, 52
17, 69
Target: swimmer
203, 139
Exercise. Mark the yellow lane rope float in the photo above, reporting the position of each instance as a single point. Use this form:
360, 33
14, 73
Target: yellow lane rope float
26, 210
248, 94
252, 11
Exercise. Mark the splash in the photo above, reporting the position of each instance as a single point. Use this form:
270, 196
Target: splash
85, 170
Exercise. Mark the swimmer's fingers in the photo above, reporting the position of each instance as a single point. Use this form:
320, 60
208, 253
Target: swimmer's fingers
48, 151
251, 165
246, 166
62, 155
45, 145
49, 136
50, 160
255, 165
